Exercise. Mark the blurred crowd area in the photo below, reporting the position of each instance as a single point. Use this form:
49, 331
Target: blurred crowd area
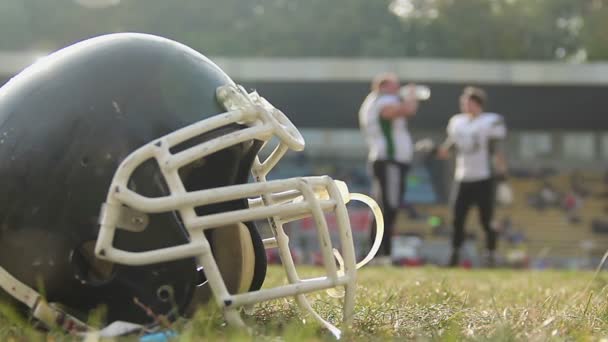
558, 219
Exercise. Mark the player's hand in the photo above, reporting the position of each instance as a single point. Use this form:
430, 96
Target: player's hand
425, 145
443, 153
504, 193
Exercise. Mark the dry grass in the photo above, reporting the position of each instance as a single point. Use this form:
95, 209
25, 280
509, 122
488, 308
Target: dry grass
421, 304
440, 304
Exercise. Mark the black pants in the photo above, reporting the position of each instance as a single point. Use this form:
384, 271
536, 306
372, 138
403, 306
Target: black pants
388, 189
480, 193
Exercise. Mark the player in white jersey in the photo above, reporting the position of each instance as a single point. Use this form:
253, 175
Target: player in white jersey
476, 137
383, 121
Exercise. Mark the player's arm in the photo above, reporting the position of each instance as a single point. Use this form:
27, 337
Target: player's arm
443, 151
410, 107
498, 132
504, 193
394, 110
392, 107
499, 159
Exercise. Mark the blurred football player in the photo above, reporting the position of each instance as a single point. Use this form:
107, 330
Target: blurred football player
383, 121
476, 137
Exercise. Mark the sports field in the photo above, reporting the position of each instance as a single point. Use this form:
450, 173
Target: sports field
422, 304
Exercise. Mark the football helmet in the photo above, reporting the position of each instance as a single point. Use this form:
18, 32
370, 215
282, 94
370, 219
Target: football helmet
125, 174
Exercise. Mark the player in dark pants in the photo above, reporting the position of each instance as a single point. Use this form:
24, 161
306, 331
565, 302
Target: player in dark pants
475, 136
388, 186
467, 194
383, 120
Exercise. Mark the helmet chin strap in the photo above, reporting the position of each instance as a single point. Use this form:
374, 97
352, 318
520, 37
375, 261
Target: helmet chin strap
53, 317
49, 315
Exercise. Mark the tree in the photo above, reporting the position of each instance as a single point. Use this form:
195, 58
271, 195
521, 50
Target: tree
474, 29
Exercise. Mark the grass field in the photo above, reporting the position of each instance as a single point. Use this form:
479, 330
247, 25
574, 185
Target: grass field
421, 304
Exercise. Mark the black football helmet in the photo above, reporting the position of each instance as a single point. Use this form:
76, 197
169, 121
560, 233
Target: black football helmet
124, 168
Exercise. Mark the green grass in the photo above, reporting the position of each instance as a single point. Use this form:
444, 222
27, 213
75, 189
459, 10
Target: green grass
421, 304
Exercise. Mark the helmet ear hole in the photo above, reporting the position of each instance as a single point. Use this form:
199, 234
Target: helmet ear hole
88, 268
165, 293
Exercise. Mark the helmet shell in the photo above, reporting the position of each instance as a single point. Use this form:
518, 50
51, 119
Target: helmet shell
66, 123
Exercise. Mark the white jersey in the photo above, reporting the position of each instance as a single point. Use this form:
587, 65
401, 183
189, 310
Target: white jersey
472, 138
387, 139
